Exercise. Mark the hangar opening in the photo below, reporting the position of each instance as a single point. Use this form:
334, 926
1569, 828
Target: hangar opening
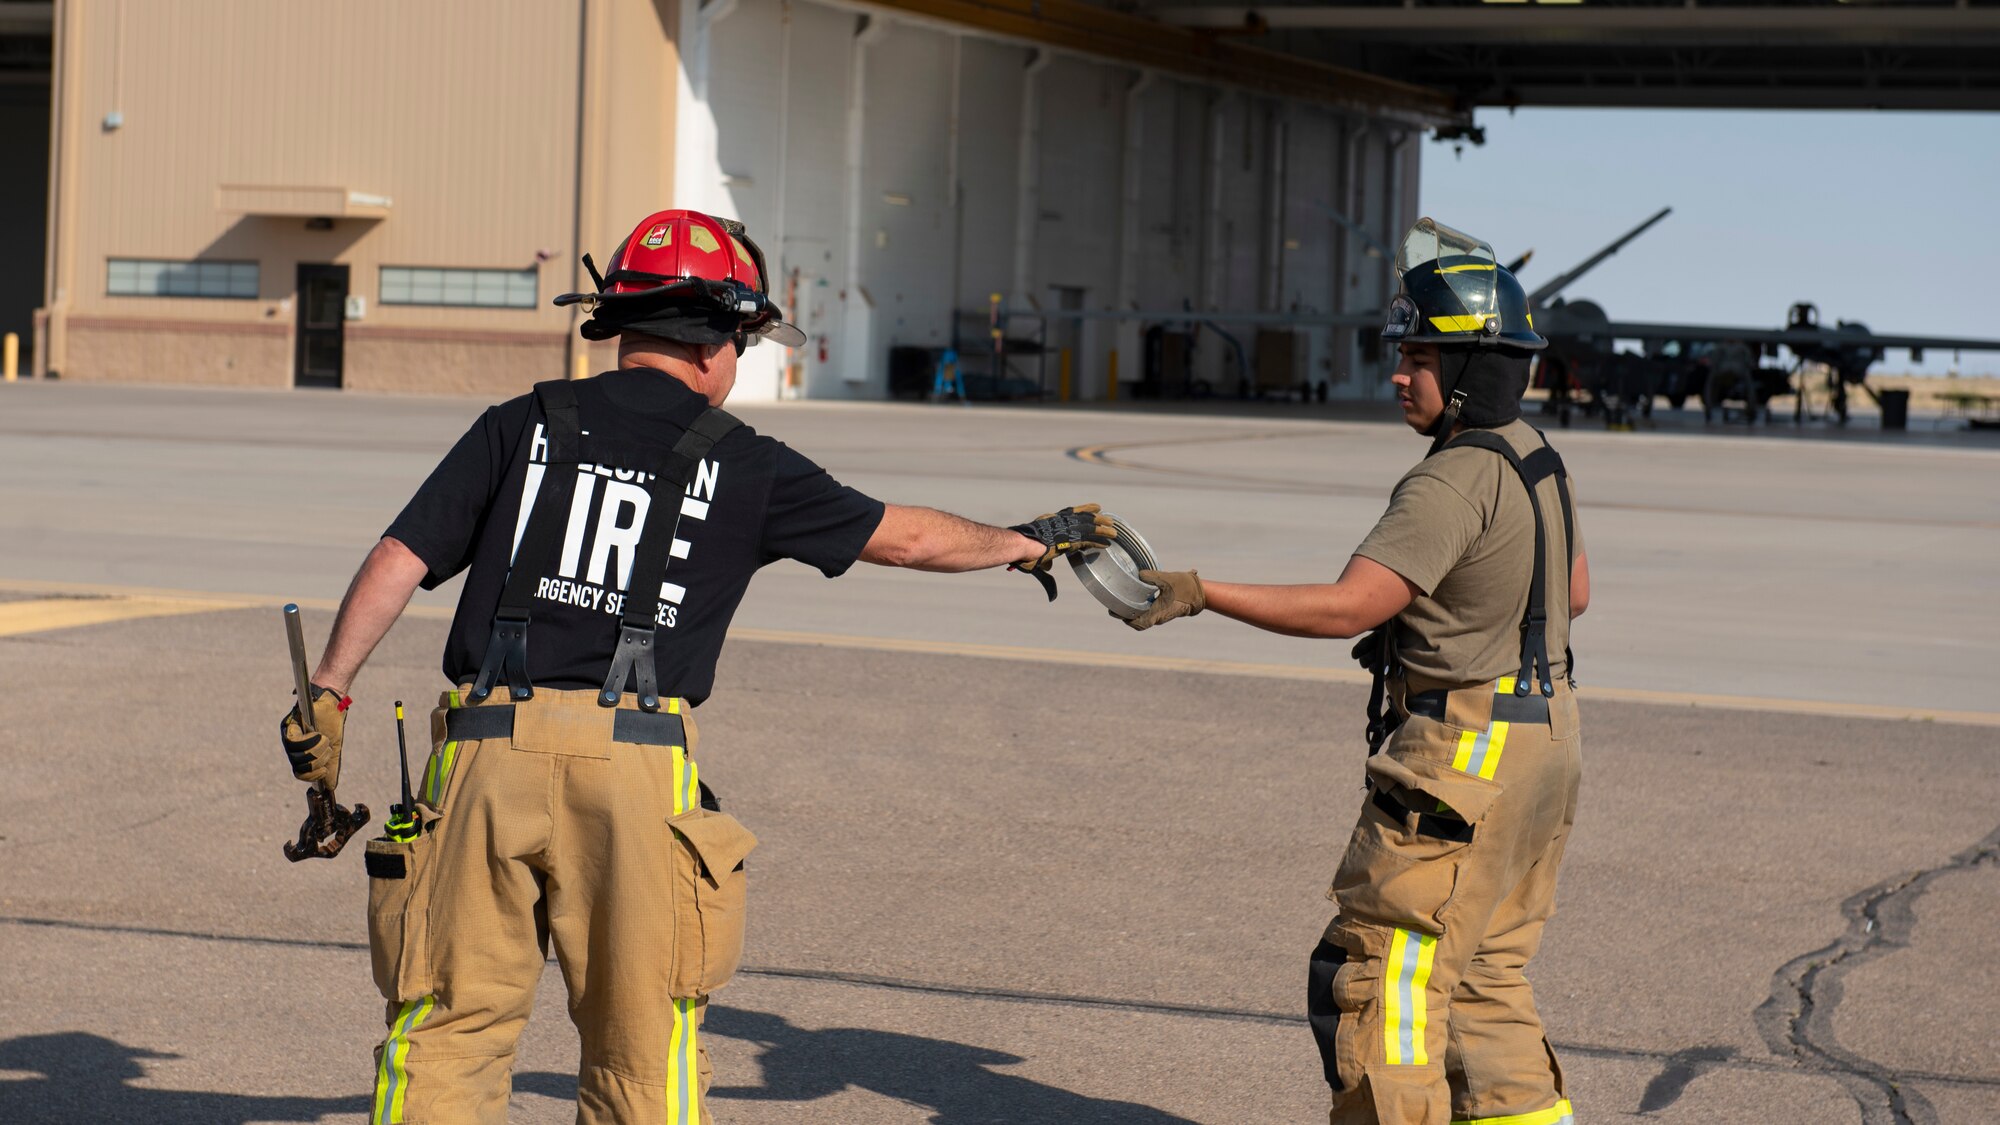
25, 89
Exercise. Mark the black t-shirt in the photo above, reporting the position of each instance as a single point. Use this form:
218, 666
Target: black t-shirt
752, 501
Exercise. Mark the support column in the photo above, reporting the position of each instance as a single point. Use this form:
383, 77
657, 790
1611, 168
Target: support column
860, 311
1125, 333
1352, 258
59, 264
1277, 133
1213, 258
1028, 206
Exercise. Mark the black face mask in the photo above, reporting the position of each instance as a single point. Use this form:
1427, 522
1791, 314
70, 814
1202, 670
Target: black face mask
1492, 381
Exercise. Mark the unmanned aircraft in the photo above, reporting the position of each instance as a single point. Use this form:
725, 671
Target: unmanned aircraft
1715, 364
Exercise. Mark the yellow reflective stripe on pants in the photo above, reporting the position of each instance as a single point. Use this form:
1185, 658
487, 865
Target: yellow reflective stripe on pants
439, 773
1557, 1114
392, 1076
439, 770
1479, 751
1405, 1015
683, 1076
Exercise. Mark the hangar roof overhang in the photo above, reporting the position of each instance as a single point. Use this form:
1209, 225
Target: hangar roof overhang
1110, 31
1751, 54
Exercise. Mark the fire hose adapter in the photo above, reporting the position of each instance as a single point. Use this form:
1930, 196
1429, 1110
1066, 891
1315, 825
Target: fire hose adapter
1112, 574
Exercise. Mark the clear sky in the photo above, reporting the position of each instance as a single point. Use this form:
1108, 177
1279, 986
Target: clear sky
1886, 218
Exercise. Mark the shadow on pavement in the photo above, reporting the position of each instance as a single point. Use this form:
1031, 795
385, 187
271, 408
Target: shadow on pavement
85, 1080
951, 1079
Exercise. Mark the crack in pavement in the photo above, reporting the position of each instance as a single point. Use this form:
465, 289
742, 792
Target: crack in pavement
1678, 1068
1797, 1018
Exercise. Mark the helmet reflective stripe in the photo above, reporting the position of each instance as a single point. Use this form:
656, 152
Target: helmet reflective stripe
1468, 323
1453, 292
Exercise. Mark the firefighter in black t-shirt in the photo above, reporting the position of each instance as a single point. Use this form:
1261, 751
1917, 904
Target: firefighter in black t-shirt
610, 527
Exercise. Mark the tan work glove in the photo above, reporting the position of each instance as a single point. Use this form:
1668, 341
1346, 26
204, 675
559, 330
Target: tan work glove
1180, 596
1081, 528
315, 757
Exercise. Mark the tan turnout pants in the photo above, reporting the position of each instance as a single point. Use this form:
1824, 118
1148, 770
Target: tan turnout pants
559, 833
1417, 997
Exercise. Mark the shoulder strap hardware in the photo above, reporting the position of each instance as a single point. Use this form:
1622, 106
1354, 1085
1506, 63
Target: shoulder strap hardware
1533, 469
633, 658
507, 648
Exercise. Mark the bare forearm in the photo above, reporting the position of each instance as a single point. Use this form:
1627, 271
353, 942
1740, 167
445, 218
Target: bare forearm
1367, 594
927, 539
1317, 610
376, 597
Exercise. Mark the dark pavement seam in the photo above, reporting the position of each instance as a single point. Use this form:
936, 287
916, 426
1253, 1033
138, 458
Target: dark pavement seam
1673, 1078
1797, 1018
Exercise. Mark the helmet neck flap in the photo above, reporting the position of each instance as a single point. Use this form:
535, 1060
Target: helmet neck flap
1482, 388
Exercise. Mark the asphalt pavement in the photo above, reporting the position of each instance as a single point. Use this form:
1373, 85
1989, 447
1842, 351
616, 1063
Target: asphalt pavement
1019, 864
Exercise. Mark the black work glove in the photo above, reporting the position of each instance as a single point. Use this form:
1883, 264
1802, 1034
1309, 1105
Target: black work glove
315, 757
1082, 528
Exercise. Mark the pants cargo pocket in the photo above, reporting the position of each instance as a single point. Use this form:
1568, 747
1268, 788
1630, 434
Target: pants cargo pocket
709, 889
1402, 863
399, 894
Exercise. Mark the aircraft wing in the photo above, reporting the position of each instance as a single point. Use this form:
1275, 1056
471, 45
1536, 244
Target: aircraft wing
1803, 337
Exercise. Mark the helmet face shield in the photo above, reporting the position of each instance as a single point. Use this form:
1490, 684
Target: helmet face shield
1430, 240
1453, 291
1465, 264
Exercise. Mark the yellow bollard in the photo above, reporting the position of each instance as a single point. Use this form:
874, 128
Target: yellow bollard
1063, 385
579, 366
1111, 384
10, 356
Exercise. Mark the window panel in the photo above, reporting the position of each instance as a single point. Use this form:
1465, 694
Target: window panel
212, 279
140, 277
464, 288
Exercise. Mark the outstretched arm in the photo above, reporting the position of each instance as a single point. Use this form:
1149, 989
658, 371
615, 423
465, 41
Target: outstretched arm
1366, 595
376, 597
927, 539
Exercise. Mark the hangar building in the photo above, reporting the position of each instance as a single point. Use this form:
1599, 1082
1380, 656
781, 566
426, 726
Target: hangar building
1154, 194
385, 196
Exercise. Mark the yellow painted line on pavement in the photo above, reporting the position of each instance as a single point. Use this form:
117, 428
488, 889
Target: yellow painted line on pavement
1307, 672
150, 602
1133, 661
42, 615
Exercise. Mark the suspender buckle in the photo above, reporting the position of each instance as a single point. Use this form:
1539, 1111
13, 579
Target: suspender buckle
506, 656
634, 658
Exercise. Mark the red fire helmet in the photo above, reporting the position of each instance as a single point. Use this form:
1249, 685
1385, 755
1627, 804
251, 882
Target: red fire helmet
685, 275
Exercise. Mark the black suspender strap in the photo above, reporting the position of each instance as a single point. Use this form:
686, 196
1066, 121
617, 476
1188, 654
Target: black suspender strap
633, 658
1569, 545
1377, 652
1532, 469
541, 537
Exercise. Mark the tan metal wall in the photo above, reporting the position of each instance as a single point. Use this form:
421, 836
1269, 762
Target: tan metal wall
464, 112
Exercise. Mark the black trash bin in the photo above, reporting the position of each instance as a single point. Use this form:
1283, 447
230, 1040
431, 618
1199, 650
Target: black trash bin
1895, 409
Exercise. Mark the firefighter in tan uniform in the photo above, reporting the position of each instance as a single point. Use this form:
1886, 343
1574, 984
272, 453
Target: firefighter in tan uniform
608, 529
1469, 581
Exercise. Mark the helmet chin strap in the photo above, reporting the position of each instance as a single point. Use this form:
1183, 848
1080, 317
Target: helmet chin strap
1447, 420
1454, 400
